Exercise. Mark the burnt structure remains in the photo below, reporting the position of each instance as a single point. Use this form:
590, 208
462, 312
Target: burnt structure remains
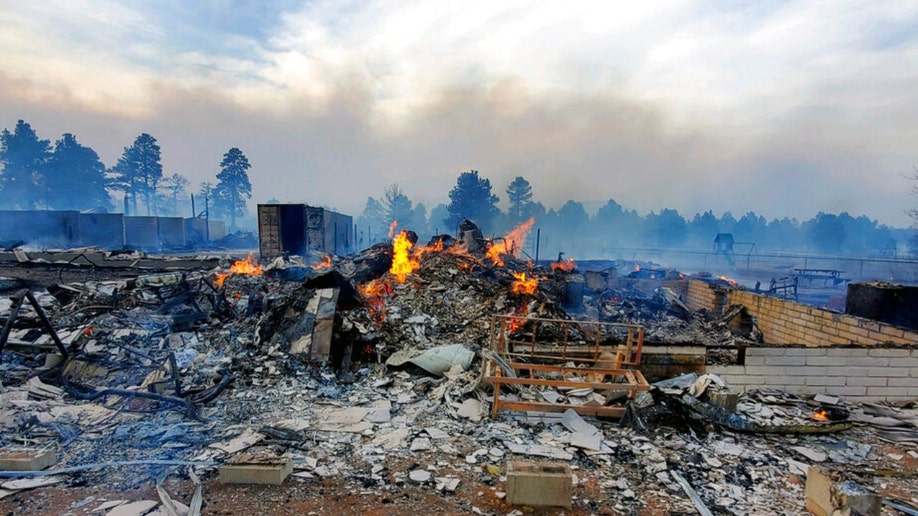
454, 372
69, 229
298, 229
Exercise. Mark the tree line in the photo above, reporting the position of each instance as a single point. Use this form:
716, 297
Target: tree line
572, 229
35, 175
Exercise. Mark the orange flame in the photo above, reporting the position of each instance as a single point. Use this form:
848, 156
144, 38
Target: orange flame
375, 288
324, 264
523, 285
516, 323
564, 265
512, 243
392, 228
821, 415
221, 277
247, 266
403, 263
376, 292
732, 282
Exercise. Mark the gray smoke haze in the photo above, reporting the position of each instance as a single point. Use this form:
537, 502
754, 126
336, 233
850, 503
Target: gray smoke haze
786, 111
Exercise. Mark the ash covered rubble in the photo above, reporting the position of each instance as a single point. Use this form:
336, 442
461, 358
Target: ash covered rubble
369, 368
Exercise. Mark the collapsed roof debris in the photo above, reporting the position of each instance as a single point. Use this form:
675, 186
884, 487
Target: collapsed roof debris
377, 371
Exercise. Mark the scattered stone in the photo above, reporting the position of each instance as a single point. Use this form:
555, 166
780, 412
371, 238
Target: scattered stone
470, 409
419, 475
420, 444
809, 453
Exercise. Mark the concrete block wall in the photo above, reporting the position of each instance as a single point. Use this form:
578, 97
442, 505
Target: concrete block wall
142, 232
854, 373
102, 230
171, 231
809, 350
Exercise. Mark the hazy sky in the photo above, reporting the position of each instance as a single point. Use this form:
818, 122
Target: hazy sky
786, 108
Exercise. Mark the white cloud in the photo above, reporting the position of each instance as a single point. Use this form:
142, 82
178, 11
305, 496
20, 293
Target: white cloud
682, 94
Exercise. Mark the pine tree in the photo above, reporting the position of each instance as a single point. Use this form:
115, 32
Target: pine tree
233, 186
22, 157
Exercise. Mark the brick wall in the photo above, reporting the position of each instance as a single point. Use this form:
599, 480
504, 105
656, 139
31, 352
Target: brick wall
809, 350
857, 374
787, 322
699, 294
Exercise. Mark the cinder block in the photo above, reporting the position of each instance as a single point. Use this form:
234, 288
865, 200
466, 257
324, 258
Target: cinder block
866, 381
825, 380
889, 352
778, 381
849, 391
888, 372
902, 382
738, 381
767, 370
539, 484
888, 392
721, 370
256, 469
869, 362
826, 361
807, 371
21, 459
756, 361
794, 380
825, 495
785, 360
846, 371
807, 352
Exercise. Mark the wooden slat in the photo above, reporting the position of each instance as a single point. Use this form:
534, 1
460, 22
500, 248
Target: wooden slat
599, 386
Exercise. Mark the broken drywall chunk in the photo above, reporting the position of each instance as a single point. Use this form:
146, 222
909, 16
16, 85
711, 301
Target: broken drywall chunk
470, 409
583, 434
436, 361
247, 438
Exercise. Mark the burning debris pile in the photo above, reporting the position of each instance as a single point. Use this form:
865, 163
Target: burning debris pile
380, 369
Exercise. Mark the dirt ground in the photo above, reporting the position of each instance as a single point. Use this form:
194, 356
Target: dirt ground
332, 496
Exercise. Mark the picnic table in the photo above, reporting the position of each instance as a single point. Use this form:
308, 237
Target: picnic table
826, 276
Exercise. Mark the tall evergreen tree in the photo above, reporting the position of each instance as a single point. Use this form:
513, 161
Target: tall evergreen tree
175, 187
233, 186
139, 171
75, 177
827, 232
22, 158
371, 225
519, 195
397, 206
472, 199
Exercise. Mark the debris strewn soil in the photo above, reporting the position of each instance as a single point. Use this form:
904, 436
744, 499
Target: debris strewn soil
369, 378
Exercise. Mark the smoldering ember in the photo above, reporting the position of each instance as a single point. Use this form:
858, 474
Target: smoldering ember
454, 376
